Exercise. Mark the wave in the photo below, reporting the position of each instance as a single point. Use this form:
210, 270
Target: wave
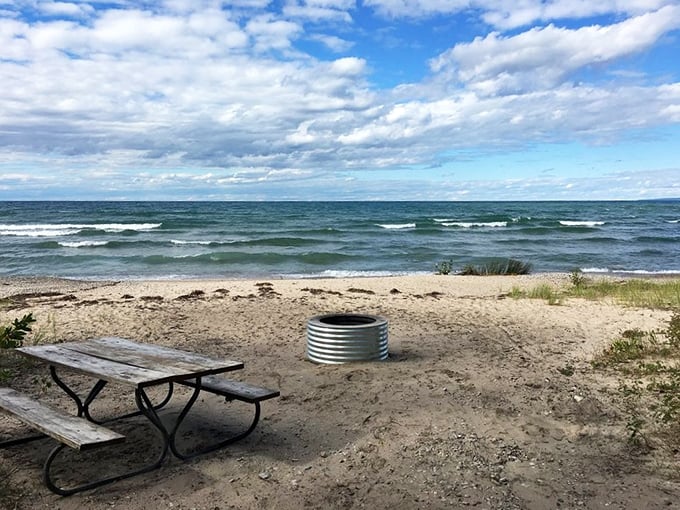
82, 244
673, 221
482, 224
339, 273
396, 225
245, 258
568, 223
603, 270
66, 229
203, 243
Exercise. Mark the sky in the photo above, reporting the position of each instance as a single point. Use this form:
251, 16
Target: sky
339, 100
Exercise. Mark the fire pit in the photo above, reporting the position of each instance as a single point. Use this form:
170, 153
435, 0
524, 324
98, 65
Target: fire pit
341, 338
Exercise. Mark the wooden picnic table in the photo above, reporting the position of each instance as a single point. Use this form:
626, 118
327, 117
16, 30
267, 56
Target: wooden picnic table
138, 366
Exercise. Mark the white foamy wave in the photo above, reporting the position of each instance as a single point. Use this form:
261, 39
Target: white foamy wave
673, 221
464, 224
660, 272
329, 273
567, 223
180, 242
35, 231
397, 225
82, 244
66, 229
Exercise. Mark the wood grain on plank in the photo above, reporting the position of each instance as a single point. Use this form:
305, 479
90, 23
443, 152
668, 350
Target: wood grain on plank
71, 430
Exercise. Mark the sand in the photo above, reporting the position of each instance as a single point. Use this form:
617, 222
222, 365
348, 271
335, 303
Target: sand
474, 407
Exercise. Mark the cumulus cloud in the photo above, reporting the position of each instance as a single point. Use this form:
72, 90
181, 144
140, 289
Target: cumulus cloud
542, 57
227, 92
506, 15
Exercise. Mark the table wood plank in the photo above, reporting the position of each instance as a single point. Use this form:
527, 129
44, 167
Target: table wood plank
71, 430
154, 356
102, 368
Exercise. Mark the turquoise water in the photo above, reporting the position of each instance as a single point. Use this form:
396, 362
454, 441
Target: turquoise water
129, 240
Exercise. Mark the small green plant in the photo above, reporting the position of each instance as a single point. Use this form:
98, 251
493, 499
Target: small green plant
630, 346
667, 410
635, 422
444, 267
567, 370
13, 335
673, 330
577, 278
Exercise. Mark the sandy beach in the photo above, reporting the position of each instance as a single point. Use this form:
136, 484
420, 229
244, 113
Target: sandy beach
470, 410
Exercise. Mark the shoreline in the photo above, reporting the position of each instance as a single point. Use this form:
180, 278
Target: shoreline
10, 285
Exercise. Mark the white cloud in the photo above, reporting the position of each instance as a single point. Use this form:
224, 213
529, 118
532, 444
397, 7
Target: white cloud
195, 92
417, 8
65, 9
270, 33
319, 10
542, 57
506, 15
332, 42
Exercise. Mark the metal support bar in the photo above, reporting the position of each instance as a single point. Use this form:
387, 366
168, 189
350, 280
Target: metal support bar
218, 445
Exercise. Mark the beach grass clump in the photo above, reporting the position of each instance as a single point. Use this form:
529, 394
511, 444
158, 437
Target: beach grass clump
547, 292
654, 294
498, 267
663, 294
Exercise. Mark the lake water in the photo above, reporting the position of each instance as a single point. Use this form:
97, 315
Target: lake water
130, 240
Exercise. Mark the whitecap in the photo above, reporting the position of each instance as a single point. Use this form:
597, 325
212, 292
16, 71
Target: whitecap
82, 244
65, 229
568, 223
397, 225
181, 242
463, 224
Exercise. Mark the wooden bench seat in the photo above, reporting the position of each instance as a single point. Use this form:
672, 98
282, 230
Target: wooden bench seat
70, 430
233, 389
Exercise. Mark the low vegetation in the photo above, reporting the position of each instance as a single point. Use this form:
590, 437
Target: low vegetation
648, 365
492, 267
655, 294
10, 337
444, 267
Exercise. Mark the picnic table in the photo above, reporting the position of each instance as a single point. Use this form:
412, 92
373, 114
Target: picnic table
138, 366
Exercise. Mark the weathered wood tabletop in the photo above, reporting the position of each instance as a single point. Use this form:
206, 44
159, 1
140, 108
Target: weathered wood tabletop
125, 361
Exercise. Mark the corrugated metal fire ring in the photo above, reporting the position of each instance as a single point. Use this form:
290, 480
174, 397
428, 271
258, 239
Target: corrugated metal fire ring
341, 338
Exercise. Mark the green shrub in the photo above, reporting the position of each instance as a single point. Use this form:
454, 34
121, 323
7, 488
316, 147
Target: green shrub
444, 267
13, 335
673, 331
577, 278
498, 267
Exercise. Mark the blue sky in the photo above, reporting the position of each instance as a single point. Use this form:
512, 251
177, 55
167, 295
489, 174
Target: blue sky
339, 99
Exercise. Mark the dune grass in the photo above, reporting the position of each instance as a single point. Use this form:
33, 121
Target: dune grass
644, 293
498, 267
662, 294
